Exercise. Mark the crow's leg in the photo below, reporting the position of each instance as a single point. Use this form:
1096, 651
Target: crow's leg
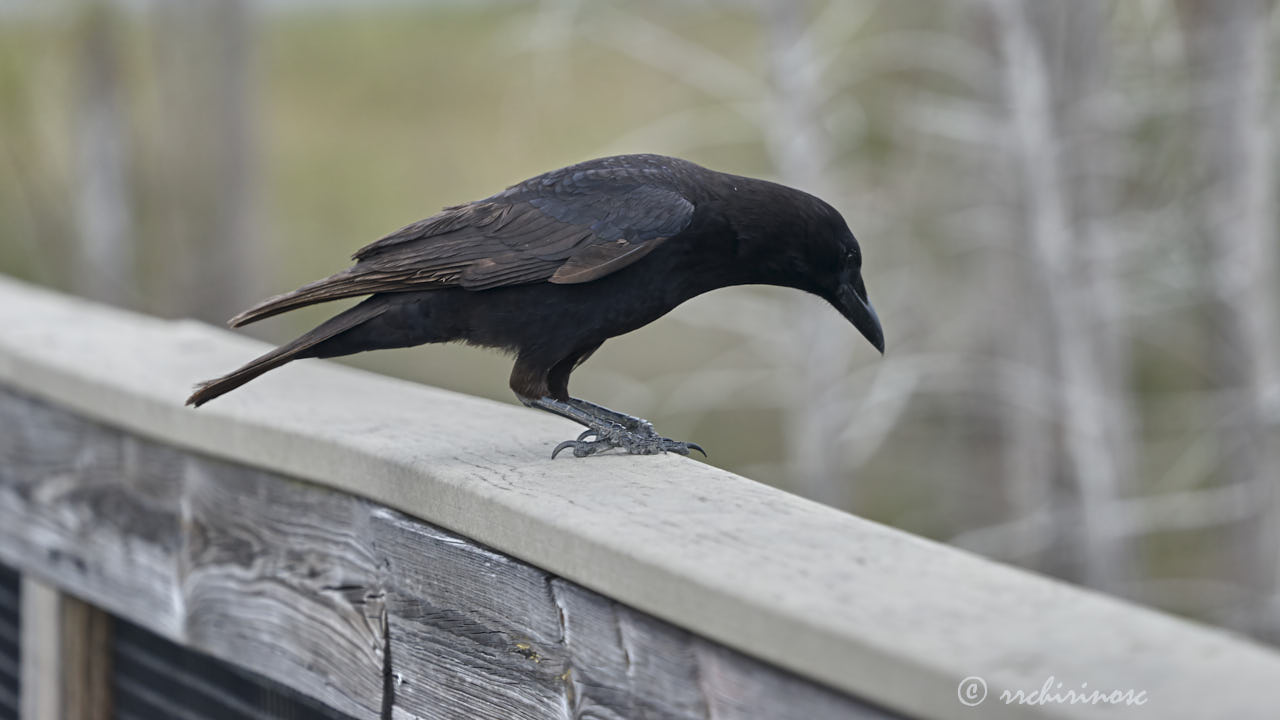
630, 422
611, 430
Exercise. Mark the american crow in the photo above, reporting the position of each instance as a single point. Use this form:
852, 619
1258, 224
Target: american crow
552, 267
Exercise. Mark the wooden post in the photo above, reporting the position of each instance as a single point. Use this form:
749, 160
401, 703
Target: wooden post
66, 656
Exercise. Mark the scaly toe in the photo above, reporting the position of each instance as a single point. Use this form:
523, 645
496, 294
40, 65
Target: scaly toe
644, 428
583, 448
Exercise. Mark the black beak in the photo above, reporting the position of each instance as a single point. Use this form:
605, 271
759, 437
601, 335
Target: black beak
852, 302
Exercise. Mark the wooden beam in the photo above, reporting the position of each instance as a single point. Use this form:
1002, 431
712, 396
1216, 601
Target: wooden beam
371, 612
869, 611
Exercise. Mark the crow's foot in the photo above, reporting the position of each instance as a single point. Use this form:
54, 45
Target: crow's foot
635, 443
608, 429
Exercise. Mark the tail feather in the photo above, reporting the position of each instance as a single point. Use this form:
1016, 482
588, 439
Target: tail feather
365, 311
348, 283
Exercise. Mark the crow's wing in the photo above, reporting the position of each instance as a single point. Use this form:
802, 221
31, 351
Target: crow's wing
570, 226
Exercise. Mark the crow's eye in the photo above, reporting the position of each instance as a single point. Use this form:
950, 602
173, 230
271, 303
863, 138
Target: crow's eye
853, 257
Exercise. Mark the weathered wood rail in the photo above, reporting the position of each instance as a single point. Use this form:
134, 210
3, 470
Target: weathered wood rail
399, 551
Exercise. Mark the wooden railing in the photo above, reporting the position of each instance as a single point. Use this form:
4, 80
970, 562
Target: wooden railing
394, 550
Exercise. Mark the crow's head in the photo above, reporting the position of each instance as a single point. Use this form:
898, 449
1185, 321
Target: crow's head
847, 292
793, 239
832, 264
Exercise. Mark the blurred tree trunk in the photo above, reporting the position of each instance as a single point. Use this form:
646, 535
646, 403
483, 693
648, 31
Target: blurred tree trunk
1230, 67
814, 416
102, 197
209, 179
1078, 69
1071, 279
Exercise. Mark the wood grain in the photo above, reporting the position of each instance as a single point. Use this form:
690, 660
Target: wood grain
371, 612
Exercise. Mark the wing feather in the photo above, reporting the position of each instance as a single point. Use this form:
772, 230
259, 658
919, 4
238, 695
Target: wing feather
600, 259
568, 226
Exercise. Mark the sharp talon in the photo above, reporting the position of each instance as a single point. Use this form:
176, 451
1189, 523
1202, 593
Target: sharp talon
585, 434
695, 446
565, 445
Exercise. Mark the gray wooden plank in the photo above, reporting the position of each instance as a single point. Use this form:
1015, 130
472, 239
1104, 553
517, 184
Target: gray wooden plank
372, 612
103, 494
451, 609
625, 665
268, 559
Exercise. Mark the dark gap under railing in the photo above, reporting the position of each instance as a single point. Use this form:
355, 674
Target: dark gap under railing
10, 647
154, 679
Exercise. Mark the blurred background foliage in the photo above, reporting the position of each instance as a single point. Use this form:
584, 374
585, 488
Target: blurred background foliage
1067, 211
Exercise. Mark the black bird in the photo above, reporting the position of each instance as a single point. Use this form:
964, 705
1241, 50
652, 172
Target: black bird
552, 267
